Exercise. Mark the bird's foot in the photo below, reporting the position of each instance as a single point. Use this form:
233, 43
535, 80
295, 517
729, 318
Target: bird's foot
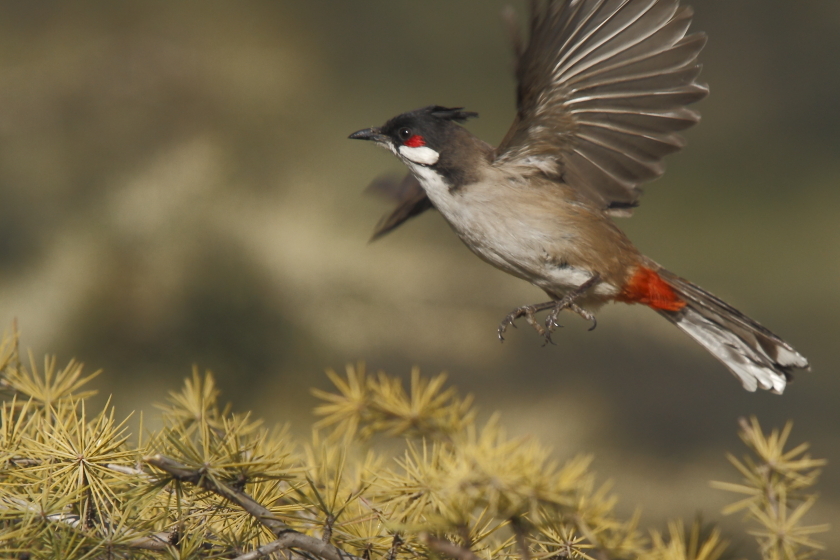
566, 303
556, 306
527, 311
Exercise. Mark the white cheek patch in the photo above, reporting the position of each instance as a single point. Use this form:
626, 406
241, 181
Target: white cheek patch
423, 155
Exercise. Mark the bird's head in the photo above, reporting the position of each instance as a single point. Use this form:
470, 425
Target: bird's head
422, 137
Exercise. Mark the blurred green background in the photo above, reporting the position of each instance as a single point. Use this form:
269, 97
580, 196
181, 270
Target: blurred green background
176, 188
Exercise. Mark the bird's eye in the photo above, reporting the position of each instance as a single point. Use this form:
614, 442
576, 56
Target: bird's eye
404, 133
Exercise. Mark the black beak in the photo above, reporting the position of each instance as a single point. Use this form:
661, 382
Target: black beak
374, 134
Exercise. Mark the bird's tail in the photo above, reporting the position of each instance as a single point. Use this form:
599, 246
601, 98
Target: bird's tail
755, 355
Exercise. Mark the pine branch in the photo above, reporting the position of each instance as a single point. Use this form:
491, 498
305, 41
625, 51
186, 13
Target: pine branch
72, 487
286, 536
156, 541
587, 532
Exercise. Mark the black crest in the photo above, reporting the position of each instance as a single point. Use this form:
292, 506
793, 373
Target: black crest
456, 114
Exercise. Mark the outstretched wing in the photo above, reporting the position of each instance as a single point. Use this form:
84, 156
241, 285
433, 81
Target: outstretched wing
603, 89
409, 196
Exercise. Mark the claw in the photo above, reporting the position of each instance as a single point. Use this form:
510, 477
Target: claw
526, 311
585, 314
508, 322
551, 321
548, 339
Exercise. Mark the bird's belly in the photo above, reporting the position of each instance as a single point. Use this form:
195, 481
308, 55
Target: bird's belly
552, 274
523, 250
528, 261
512, 233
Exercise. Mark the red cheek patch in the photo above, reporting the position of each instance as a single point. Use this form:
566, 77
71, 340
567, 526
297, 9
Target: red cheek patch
415, 141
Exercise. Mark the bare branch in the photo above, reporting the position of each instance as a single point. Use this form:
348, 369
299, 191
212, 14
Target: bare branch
156, 541
125, 470
286, 536
285, 542
264, 550
395, 547
24, 462
521, 541
195, 476
328, 528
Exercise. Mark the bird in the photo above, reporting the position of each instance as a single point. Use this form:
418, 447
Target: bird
603, 88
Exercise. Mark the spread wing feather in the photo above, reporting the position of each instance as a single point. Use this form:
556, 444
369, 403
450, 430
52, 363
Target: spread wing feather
409, 197
603, 89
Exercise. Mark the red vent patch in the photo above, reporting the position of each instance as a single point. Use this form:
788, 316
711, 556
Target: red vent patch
648, 288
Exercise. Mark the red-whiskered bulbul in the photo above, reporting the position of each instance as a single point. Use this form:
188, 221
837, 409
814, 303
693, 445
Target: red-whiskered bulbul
602, 92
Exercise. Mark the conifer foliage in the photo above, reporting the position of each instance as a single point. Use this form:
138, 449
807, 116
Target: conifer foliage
212, 483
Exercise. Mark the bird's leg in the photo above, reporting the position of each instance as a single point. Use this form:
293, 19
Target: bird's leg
556, 306
568, 302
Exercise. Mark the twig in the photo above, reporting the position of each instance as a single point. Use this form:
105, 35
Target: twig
521, 542
328, 528
584, 528
285, 534
156, 541
24, 462
395, 547
265, 550
451, 549
195, 476
287, 541
126, 470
